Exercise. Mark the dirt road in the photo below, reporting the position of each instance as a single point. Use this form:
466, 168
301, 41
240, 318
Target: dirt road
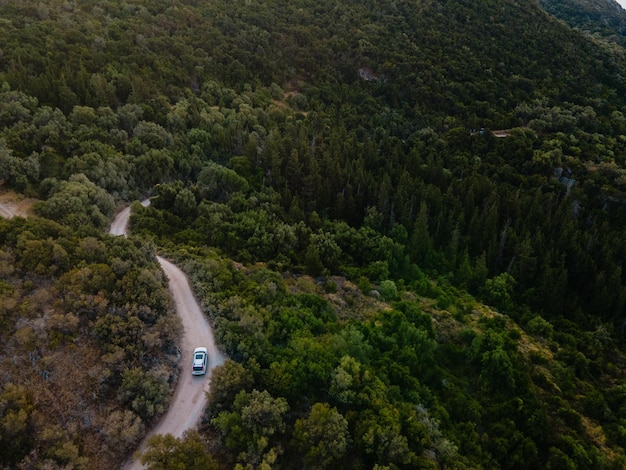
118, 227
189, 398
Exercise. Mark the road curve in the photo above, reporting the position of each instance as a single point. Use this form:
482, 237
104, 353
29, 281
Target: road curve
189, 400
118, 227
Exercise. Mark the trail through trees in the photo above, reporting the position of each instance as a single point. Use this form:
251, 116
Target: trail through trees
189, 398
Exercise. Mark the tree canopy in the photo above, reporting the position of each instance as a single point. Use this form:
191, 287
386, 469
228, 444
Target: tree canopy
404, 220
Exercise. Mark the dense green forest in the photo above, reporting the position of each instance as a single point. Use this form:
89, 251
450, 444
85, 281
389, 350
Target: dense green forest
602, 19
406, 222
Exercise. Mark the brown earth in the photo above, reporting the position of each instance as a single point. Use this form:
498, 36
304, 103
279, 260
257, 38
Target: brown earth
13, 204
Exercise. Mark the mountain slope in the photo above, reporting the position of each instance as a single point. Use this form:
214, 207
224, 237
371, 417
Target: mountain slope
605, 18
398, 285
454, 58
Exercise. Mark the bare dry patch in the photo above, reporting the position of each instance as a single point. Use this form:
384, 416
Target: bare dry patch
596, 435
13, 204
345, 296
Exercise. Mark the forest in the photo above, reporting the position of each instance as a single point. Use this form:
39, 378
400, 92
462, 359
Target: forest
405, 221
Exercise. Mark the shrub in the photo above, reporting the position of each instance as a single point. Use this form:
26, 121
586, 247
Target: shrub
388, 290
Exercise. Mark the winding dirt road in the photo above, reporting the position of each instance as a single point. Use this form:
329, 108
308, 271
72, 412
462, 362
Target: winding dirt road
189, 398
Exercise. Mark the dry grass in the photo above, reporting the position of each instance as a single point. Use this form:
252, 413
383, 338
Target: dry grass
345, 297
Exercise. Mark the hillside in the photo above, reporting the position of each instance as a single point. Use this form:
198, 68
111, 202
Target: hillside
404, 220
603, 18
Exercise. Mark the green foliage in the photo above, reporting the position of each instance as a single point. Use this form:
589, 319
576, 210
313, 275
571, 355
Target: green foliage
143, 392
540, 327
18, 172
256, 421
323, 436
219, 183
388, 290
344, 139
401, 339
499, 289
228, 380
78, 203
599, 19
168, 453
16, 423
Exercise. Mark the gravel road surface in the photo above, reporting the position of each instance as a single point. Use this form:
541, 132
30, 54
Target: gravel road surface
189, 400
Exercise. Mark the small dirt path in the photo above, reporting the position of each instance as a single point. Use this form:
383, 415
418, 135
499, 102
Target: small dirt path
189, 400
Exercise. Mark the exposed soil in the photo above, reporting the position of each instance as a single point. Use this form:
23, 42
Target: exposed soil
13, 204
189, 400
